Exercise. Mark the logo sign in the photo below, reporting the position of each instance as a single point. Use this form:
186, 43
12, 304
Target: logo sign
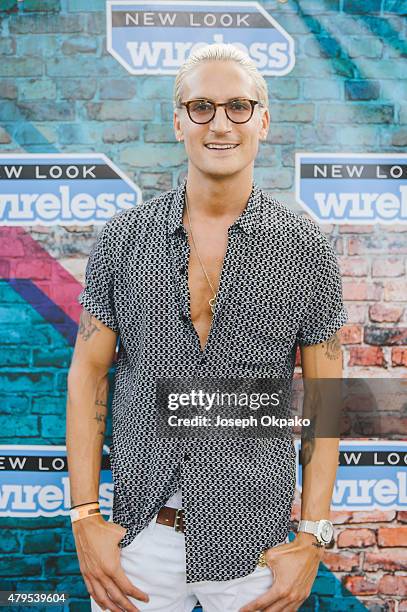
353, 188
157, 37
51, 189
370, 476
35, 482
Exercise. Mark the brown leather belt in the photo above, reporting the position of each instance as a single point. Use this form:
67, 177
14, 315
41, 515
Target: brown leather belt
172, 517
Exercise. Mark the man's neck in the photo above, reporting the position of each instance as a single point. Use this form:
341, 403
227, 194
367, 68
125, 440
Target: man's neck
224, 198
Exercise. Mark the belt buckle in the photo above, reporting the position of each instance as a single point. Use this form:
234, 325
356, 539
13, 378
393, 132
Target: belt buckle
177, 522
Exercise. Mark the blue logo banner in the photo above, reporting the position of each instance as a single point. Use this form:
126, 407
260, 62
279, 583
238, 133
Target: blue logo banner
68, 189
35, 482
157, 37
370, 476
353, 188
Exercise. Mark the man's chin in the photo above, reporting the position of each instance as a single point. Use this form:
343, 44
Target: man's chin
220, 170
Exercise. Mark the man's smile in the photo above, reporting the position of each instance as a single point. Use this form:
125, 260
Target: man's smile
218, 146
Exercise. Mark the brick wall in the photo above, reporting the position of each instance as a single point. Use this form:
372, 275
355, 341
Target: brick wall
60, 91
373, 263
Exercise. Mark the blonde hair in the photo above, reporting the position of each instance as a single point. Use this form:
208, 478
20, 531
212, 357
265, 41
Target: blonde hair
221, 52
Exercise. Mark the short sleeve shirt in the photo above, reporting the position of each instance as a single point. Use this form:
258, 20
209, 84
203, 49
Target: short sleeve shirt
280, 287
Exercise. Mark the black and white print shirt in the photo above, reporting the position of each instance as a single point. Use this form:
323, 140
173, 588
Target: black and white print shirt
280, 287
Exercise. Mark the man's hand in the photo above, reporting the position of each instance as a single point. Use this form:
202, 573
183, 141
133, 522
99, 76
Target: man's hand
99, 561
294, 567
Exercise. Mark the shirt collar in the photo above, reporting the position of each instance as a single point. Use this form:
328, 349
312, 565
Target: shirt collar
249, 220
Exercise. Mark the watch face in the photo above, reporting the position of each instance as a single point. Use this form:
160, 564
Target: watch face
326, 531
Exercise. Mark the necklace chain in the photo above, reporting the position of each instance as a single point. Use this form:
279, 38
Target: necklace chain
212, 301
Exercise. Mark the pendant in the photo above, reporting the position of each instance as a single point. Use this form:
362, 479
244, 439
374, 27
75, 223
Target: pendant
212, 304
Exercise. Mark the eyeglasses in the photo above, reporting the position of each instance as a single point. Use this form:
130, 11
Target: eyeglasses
239, 110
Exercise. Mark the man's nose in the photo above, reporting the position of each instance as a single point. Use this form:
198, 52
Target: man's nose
220, 122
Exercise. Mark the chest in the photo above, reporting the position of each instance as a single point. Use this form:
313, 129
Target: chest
259, 282
206, 255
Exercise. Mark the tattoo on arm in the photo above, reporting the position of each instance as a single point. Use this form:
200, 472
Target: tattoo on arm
333, 347
101, 406
308, 442
101, 419
311, 410
86, 326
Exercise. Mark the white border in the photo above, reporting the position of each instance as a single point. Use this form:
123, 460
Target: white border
299, 156
256, 5
46, 447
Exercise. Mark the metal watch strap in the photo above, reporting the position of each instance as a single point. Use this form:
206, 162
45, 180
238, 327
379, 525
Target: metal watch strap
308, 527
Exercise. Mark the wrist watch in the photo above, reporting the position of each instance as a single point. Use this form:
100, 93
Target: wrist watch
323, 530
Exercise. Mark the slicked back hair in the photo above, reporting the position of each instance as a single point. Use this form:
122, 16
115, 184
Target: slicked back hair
220, 52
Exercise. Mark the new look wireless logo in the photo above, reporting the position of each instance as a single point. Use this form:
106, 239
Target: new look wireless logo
71, 189
157, 37
353, 187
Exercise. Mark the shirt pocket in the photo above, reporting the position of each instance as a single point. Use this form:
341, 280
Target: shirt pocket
258, 353
267, 329
272, 317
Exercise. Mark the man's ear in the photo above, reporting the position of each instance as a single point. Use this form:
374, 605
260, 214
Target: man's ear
177, 127
265, 124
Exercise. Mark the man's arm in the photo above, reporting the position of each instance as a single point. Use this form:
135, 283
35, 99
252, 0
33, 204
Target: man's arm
319, 454
96, 539
86, 409
295, 565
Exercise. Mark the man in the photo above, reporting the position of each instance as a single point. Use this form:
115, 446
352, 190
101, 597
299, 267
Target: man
214, 278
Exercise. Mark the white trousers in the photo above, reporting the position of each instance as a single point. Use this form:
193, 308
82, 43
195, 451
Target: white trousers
155, 562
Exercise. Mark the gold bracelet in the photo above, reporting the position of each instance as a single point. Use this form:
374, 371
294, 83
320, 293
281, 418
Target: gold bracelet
78, 514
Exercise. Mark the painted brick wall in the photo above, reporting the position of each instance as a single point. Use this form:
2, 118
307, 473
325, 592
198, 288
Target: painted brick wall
61, 91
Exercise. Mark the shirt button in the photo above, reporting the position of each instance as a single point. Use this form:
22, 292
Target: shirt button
187, 456
203, 360
183, 269
184, 318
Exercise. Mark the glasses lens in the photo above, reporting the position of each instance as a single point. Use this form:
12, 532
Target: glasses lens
239, 110
201, 111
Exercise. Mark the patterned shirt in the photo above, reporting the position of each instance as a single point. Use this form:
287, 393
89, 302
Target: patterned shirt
280, 287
